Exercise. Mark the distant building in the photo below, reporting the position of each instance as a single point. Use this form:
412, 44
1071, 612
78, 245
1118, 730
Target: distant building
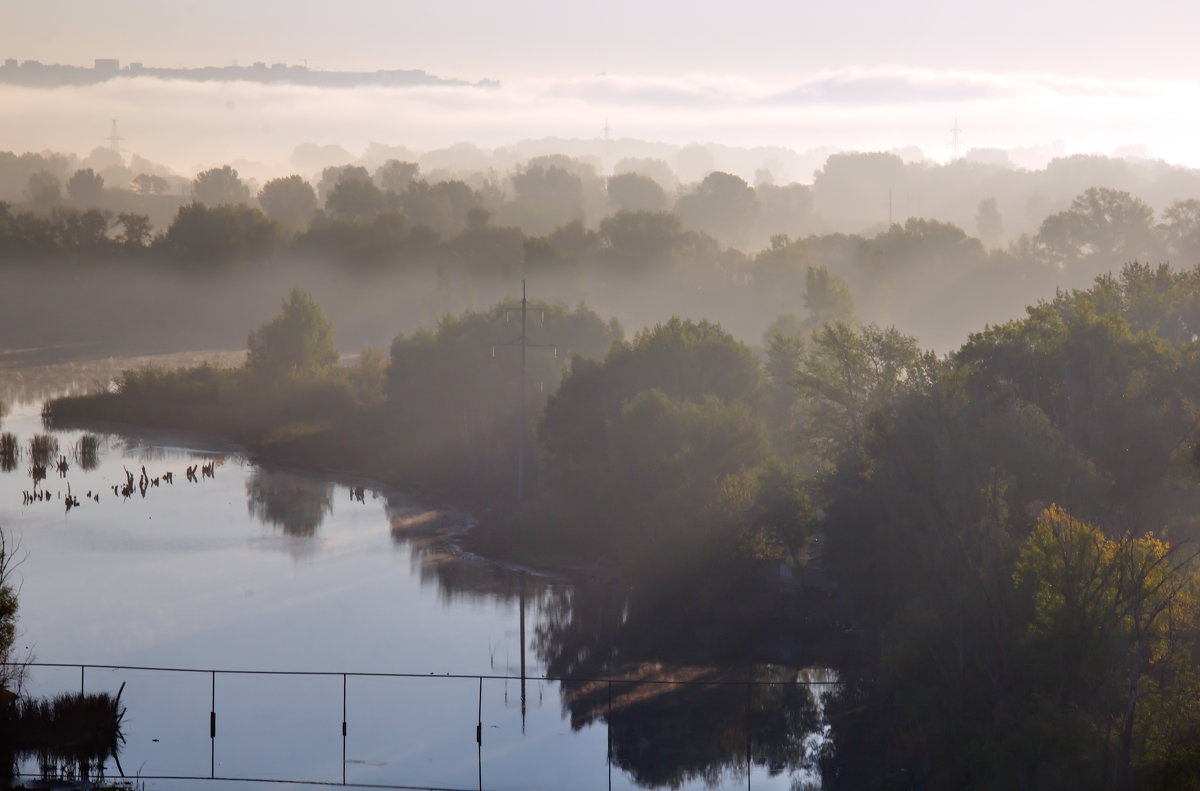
107, 66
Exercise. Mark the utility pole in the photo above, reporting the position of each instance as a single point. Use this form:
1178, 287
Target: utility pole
523, 341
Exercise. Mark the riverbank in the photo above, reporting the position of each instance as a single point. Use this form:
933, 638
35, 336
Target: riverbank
316, 427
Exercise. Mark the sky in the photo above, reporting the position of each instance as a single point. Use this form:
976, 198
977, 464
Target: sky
1096, 76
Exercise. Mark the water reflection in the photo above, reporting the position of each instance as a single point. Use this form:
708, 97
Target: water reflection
71, 736
42, 447
294, 503
87, 451
9, 450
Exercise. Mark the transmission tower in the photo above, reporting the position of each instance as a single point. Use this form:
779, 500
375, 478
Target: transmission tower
522, 341
114, 140
955, 141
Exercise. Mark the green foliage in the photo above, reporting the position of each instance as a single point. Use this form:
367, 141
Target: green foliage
395, 176
222, 235
298, 342
219, 187
723, 206
453, 394
85, 187
1102, 228
354, 200
617, 426
635, 192
44, 189
289, 200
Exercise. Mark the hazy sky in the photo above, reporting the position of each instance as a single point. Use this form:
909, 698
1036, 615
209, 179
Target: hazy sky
1092, 76
507, 39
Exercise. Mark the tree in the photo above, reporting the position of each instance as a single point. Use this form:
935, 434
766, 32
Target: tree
547, 196
395, 176
222, 234
135, 227
291, 200
635, 192
44, 189
851, 190
827, 298
219, 187
354, 200
85, 187
1181, 230
11, 675
685, 360
1102, 228
443, 206
298, 342
988, 222
848, 371
640, 241
149, 184
336, 174
723, 206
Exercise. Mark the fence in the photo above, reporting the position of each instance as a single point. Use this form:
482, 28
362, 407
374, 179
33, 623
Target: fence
432, 725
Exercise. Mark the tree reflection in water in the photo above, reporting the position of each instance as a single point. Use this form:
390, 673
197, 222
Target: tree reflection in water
668, 734
663, 735
295, 504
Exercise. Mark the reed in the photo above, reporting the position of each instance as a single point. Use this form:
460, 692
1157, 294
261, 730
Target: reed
42, 447
87, 451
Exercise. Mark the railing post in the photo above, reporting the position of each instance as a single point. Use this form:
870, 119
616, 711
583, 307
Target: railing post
82, 669
608, 722
479, 734
343, 729
212, 730
749, 688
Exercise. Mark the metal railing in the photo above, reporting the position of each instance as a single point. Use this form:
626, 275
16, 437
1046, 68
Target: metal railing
748, 684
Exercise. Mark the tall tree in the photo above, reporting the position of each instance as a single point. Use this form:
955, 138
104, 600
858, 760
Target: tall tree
291, 200
219, 187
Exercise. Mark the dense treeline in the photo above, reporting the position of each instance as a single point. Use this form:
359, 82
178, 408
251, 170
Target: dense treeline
1016, 534
638, 245
1010, 528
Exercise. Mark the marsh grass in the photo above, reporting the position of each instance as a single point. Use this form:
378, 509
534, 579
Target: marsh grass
10, 451
42, 447
70, 736
87, 451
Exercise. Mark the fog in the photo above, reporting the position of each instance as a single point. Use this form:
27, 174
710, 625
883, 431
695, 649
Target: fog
877, 366
188, 125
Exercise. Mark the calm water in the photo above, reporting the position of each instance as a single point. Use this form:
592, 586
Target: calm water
272, 570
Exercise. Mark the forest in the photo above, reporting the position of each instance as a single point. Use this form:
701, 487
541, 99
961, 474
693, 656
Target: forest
998, 508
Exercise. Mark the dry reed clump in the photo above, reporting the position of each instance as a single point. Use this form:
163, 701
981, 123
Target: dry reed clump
71, 735
42, 447
87, 451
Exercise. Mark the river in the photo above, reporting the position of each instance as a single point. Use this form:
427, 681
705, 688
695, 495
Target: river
262, 569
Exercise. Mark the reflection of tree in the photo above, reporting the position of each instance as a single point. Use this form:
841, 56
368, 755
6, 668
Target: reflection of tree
667, 734
296, 504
